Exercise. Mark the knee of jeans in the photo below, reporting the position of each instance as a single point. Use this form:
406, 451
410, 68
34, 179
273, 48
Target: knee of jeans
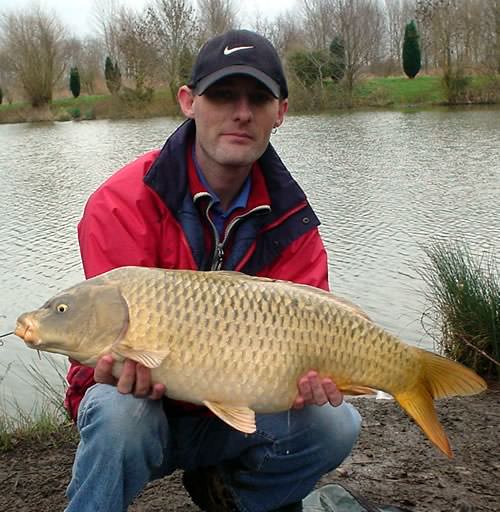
118, 415
345, 431
338, 433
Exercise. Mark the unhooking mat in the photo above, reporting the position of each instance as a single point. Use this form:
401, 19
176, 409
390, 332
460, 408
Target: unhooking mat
335, 498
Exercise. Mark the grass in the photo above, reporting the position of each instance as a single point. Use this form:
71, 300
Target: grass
464, 297
44, 418
80, 102
401, 90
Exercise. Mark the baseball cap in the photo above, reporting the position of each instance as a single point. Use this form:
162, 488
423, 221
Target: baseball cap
239, 52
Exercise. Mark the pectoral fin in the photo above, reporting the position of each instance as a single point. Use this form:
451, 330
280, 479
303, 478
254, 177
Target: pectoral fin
148, 358
240, 418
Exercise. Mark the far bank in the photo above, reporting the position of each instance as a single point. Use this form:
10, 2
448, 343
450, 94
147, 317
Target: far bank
371, 93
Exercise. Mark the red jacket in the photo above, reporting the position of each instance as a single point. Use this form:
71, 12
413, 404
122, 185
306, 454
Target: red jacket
152, 213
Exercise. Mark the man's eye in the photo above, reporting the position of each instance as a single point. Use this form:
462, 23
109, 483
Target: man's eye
220, 95
259, 98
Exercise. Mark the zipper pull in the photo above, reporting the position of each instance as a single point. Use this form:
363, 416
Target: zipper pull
218, 257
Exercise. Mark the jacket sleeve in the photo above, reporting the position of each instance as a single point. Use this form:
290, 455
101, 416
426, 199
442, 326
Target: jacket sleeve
116, 229
304, 261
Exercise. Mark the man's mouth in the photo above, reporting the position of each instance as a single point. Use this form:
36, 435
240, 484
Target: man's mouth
238, 135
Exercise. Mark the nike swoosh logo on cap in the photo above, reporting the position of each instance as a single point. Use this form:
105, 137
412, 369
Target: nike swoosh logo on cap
228, 51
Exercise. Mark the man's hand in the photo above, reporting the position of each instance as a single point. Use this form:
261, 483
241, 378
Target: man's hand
134, 378
313, 390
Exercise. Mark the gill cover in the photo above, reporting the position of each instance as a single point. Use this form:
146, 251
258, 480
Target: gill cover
83, 321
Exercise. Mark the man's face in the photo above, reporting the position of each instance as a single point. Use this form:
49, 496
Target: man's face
234, 118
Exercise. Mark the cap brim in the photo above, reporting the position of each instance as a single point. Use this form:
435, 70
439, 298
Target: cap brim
209, 80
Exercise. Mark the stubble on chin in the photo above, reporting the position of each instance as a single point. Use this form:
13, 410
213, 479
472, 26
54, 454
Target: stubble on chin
235, 158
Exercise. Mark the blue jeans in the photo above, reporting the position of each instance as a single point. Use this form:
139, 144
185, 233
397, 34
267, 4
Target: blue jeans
126, 442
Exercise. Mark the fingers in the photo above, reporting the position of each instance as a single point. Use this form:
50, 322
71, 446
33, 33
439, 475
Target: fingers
134, 378
157, 392
144, 387
313, 390
299, 403
305, 389
126, 381
102, 371
142, 380
334, 396
318, 393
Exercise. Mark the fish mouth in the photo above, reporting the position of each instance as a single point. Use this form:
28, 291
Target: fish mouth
26, 331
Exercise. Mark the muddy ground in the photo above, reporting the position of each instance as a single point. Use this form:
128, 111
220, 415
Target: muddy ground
392, 464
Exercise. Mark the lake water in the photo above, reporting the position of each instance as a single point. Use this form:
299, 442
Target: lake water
385, 184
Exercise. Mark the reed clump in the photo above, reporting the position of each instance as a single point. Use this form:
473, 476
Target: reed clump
46, 418
464, 297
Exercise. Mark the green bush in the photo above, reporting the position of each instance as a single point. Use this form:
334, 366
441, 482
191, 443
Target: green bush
464, 297
310, 67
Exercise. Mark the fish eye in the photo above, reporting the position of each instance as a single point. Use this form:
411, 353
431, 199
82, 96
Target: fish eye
62, 308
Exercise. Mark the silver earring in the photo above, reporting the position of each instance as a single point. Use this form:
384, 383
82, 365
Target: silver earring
274, 130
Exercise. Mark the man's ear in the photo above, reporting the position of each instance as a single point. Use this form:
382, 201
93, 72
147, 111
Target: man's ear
185, 97
283, 109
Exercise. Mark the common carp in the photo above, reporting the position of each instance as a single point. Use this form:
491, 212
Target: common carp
238, 344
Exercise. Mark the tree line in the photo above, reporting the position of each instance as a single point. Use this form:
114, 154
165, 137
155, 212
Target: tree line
321, 42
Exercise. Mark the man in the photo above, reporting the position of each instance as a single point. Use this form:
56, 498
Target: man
216, 196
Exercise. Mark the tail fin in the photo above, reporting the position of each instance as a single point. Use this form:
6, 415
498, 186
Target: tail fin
440, 377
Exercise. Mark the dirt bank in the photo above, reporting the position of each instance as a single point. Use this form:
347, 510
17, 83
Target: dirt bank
392, 463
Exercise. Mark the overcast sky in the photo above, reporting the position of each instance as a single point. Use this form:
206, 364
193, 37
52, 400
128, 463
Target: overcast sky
77, 15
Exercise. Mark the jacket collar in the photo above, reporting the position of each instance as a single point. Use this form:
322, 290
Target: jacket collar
168, 176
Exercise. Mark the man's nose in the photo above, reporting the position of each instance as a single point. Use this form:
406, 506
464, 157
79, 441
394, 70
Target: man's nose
243, 108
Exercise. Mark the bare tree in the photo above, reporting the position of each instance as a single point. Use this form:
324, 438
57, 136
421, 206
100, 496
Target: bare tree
7, 78
360, 24
444, 22
284, 32
174, 26
106, 21
33, 46
318, 26
459, 35
491, 32
89, 62
136, 45
215, 17
495, 8
490, 35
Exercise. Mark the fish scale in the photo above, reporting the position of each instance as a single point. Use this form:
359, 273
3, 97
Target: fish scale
239, 344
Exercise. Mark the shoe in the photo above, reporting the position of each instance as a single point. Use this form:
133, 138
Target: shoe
208, 492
